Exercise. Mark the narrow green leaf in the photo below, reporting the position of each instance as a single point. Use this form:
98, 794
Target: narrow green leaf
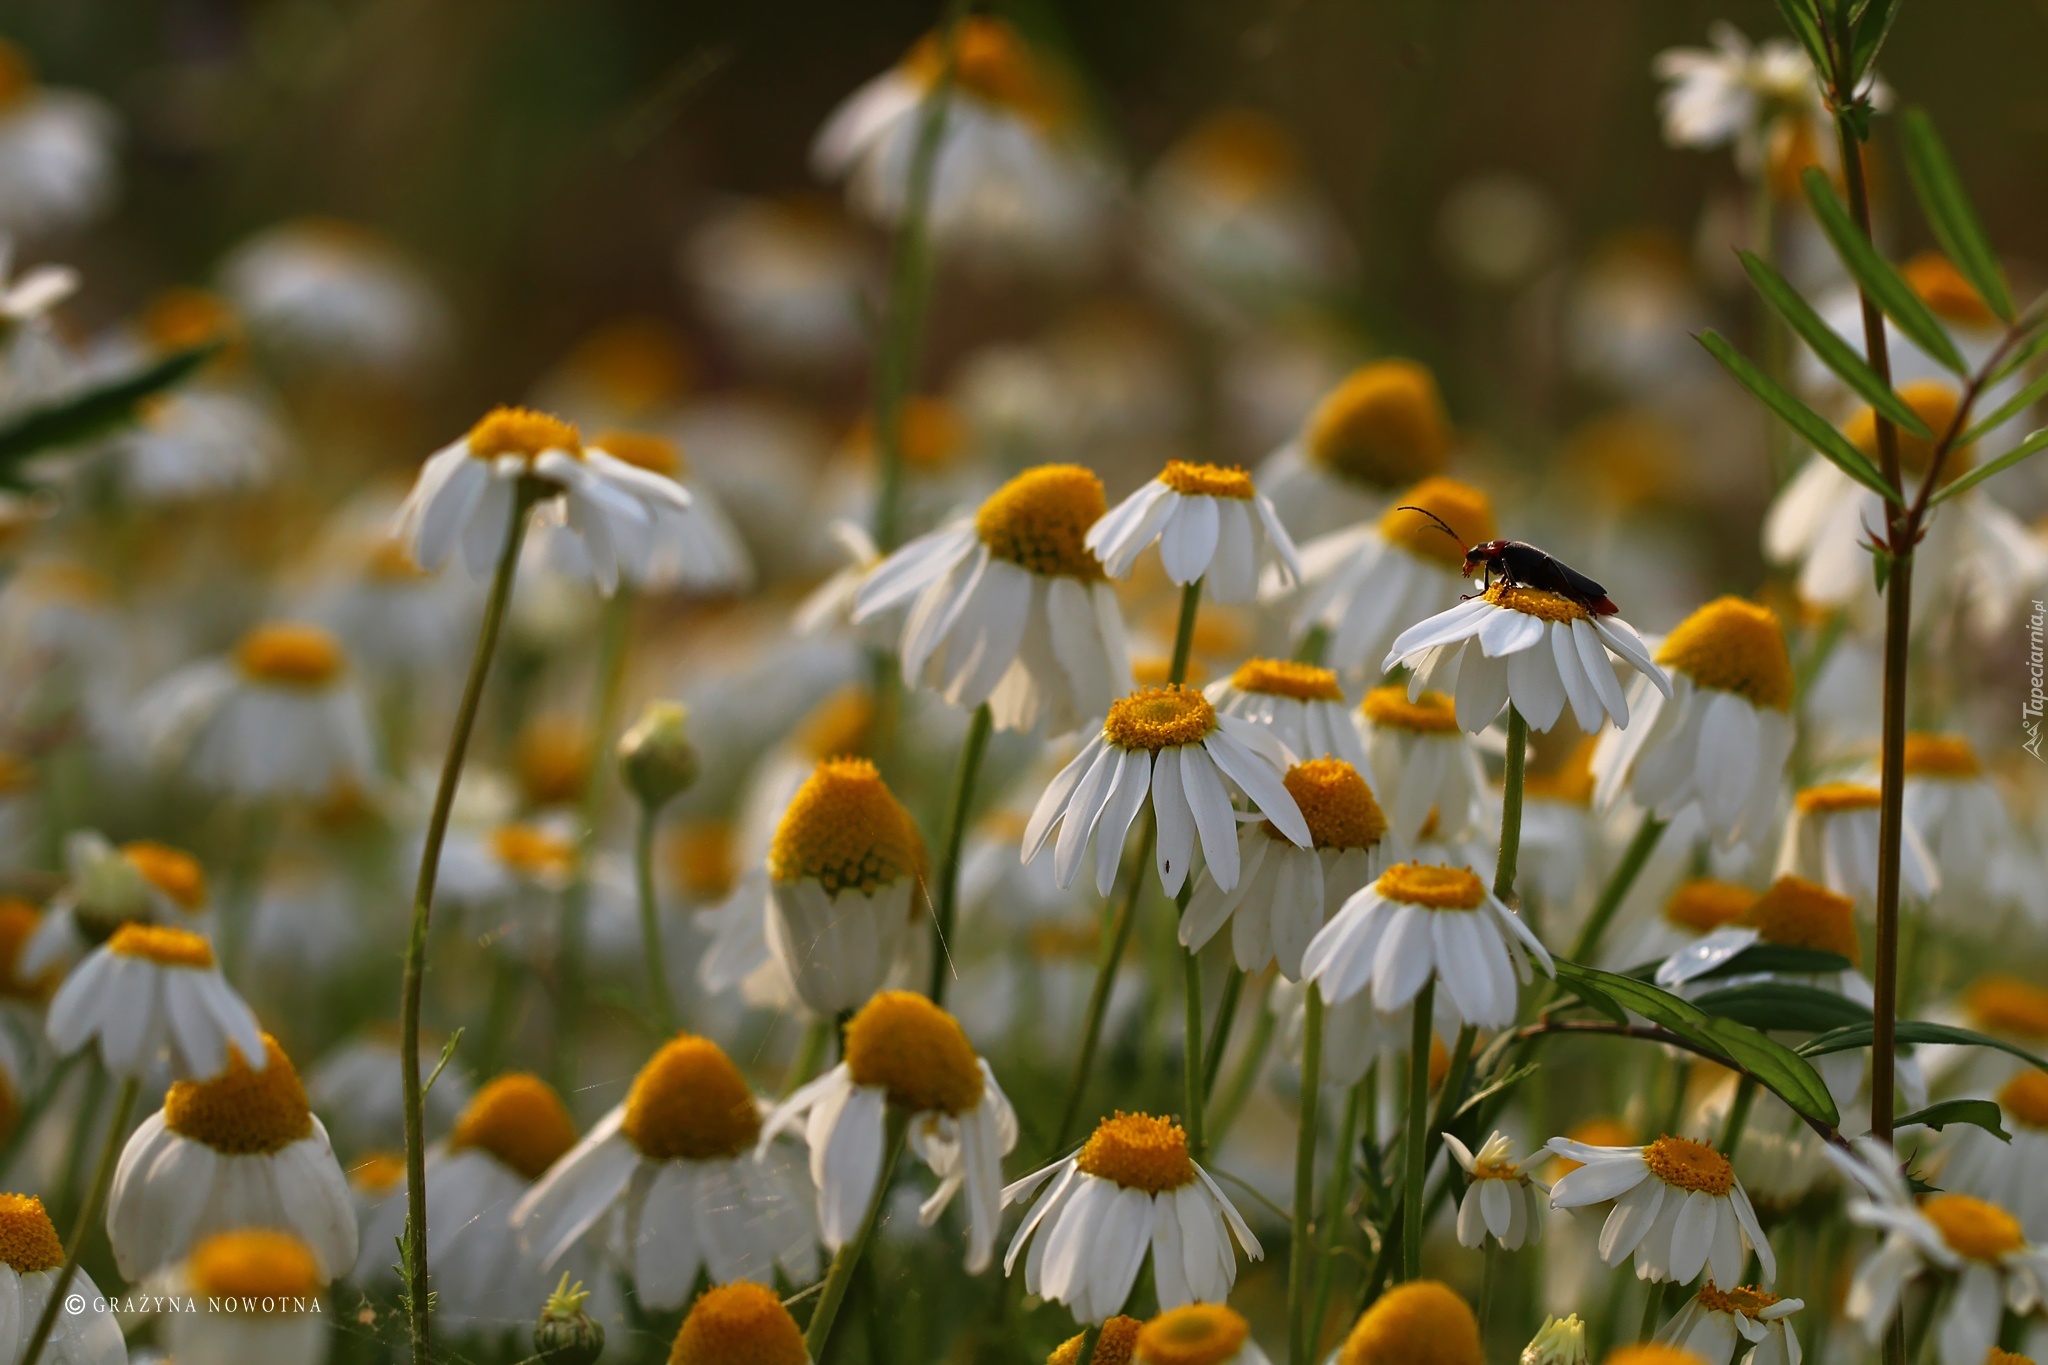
1782, 1005
1593, 997
1881, 565
1983, 1114
2023, 354
1872, 27
1949, 212
1805, 25
80, 417
1775, 957
1879, 280
447, 1053
1827, 343
2009, 409
1914, 1031
1811, 427
2031, 446
1513, 1078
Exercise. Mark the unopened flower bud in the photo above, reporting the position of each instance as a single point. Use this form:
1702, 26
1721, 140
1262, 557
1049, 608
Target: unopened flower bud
655, 756
111, 892
565, 1334
1560, 1341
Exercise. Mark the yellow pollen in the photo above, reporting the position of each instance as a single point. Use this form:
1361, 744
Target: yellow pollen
904, 1044
703, 859
28, 1241
1744, 1299
1431, 713
1654, 1353
552, 761
165, 946
253, 1263
2001, 1357
1464, 508
1198, 1334
1158, 718
739, 1324
1796, 913
1703, 905
1138, 1152
1687, 1165
1600, 1132
522, 432
1038, 520
2009, 1005
1942, 287
1206, 480
243, 1112
1285, 678
839, 726
532, 851
18, 921
392, 562
929, 431
2024, 1099
181, 318
1936, 404
1940, 756
1439, 888
993, 63
644, 450
1384, 426
1422, 1322
520, 1120
634, 363
1242, 152
17, 75
690, 1103
289, 655
1113, 1347
1973, 1227
1496, 1170
377, 1173
846, 830
1731, 645
175, 873
1537, 602
1335, 801
1834, 798
1571, 782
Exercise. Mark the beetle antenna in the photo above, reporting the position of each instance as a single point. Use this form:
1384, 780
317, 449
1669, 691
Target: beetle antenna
1435, 518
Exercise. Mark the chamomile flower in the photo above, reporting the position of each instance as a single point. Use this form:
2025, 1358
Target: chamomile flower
56, 151
1417, 923
152, 993
1727, 93
239, 1150
1112, 1345
280, 717
902, 1050
1131, 1188
1168, 743
1832, 838
1677, 1207
1382, 429
1011, 608
670, 1181
1367, 584
255, 1296
33, 1258
1716, 1323
1962, 822
1425, 771
1212, 525
26, 299
1501, 1198
1284, 891
1529, 647
1303, 703
336, 296
1416, 1321
140, 882
696, 547
1196, 1334
1722, 734
2012, 1175
1792, 913
783, 278
742, 1321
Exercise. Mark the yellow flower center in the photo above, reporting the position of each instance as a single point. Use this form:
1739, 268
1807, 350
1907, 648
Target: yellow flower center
1336, 803
1422, 1322
1285, 678
289, 655
1654, 1353
1038, 520
1570, 782
1731, 645
531, 851
163, 945
1384, 426
180, 318
846, 830
928, 431
1973, 1227
1198, 1334
644, 450
2002, 1357
377, 1173
1796, 913
2007, 1004
1744, 1299
2024, 1099
703, 859
993, 63
1834, 798
1703, 905
552, 761
1936, 403
1487, 1169
391, 562
739, 1324
1432, 713
1465, 509
1138, 1152
520, 1120
1113, 1347
17, 75
634, 364
175, 873
1242, 152
690, 1103
1942, 287
1940, 756
522, 432
1158, 718
839, 726
1537, 602
18, 921
1439, 888
1206, 480
243, 1112
28, 1242
1687, 1165
253, 1263
906, 1045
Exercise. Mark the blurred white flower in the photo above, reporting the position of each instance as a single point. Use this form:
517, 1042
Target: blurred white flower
334, 295
786, 279
57, 151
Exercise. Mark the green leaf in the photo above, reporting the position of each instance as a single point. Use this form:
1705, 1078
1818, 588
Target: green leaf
1880, 567
447, 1052
1514, 1077
1977, 1113
1881, 283
1775, 957
1782, 1005
2011, 408
2031, 446
1811, 427
81, 417
1872, 27
1592, 996
2023, 354
1914, 1031
1949, 212
1827, 343
1805, 25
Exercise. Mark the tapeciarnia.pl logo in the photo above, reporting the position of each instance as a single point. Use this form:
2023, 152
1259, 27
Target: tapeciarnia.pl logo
2037, 696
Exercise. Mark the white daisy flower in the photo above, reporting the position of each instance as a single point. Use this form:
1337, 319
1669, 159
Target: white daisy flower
199, 442
1980, 1244
241, 1150
1365, 585
1379, 431
394, 618
1725, 93
1962, 822
255, 1300
1212, 525
903, 1050
1425, 771
1193, 1334
695, 545
1284, 891
1677, 1207
334, 295
142, 882
1168, 743
1355, 1035
1832, 838
1527, 646
464, 497
1501, 1198
1010, 608
31, 1259
1130, 1189
152, 993
2011, 1175
1302, 702
26, 299
1720, 736
1716, 1323
784, 278
57, 151
670, 1182
1418, 923
1792, 913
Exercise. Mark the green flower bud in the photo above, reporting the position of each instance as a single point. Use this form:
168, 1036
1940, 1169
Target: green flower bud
565, 1334
655, 756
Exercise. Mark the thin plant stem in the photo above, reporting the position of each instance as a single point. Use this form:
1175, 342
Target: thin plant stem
848, 1258
1505, 866
809, 1054
88, 1216
1738, 1116
417, 1304
256, 833
1193, 1104
1415, 1155
1125, 916
65, 1200
25, 1121
1219, 1031
946, 903
1091, 1334
1184, 632
658, 999
1305, 1178
1338, 1198
1619, 883
1653, 1312
1230, 1100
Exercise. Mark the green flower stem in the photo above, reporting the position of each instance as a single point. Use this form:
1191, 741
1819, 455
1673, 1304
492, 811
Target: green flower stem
1091, 1334
1618, 885
417, 1305
1653, 1312
1184, 631
1505, 866
946, 907
88, 1216
810, 1054
1305, 1178
1219, 1031
1415, 1157
1738, 1116
1251, 1060
840, 1276
1360, 1096
1193, 1105
650, 923
1105, 977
